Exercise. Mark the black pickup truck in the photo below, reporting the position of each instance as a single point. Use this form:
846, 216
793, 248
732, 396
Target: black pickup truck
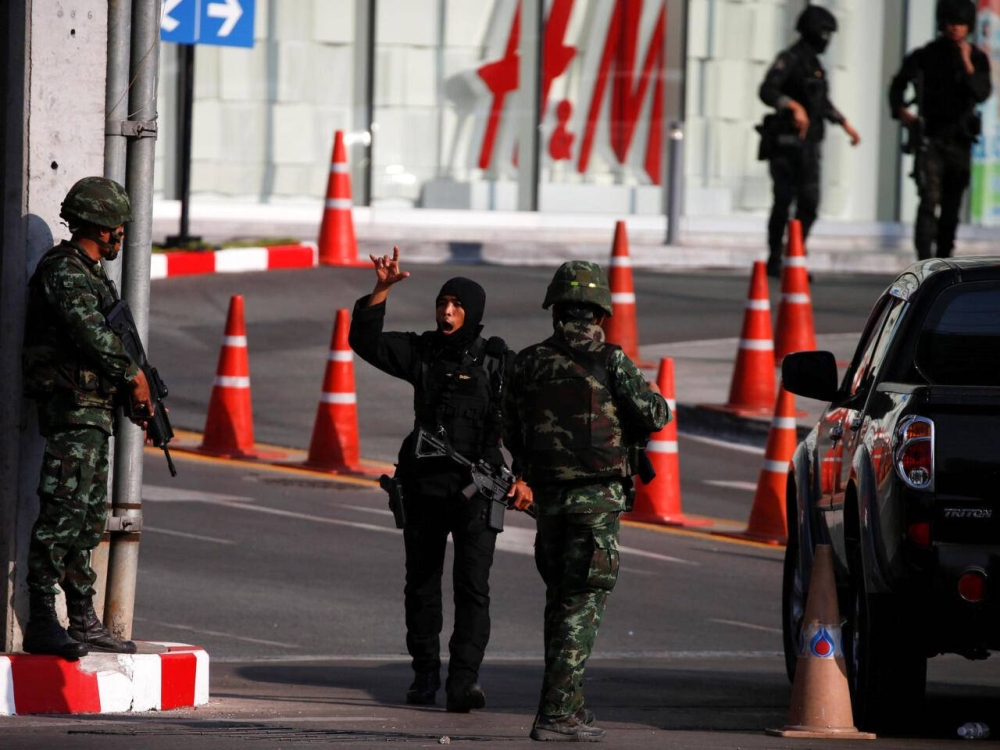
901, 476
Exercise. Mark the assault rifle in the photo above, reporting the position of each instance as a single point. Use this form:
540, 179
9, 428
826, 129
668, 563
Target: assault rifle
493, 483
158, 428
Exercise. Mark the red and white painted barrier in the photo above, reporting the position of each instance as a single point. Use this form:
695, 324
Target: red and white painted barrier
235, 260
105, 683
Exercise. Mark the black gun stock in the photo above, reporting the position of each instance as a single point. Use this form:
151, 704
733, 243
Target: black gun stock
492, 483
158, 428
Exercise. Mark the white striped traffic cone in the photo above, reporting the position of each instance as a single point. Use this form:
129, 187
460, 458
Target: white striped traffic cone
337, 244
795, 331
767, 521
229, 424
621, 328
334, 445
752, 389
660, 500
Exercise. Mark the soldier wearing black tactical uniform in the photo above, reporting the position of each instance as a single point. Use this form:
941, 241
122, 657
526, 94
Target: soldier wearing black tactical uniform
796, 86
950, 77
458, 379
75, 368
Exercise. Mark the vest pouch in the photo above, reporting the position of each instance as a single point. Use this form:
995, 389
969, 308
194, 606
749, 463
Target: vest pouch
573, 437
87, 380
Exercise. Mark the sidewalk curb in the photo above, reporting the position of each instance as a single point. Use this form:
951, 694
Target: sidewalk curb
235, 260
105, 683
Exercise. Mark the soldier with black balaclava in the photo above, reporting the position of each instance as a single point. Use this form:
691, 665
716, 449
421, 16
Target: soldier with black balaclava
796, 86
458, 380
949, 76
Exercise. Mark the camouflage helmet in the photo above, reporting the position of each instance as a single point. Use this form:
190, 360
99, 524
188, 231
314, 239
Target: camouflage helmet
579, 281
97, 200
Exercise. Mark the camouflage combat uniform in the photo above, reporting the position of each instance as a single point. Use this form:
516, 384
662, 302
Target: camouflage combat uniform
565, 430
74, 365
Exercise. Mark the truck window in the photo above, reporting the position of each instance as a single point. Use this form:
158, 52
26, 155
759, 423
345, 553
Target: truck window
855, 375
959, 343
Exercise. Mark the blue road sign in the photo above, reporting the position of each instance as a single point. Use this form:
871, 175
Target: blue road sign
228, 23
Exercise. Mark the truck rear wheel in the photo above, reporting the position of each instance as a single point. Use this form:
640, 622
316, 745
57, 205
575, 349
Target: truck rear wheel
887, 671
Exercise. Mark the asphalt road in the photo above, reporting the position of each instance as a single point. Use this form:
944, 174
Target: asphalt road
293, 583
290, 315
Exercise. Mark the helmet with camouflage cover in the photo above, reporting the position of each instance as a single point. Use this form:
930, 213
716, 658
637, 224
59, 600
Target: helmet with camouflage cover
97, 200
581, 282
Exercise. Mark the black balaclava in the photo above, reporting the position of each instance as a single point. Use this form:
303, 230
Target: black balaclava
816, 25
473, 299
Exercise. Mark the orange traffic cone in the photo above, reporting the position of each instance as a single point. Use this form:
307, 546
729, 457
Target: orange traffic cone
229, 425
752, 389
337, 244
821, 699
334, 445
621, 328
660, 500
767, 516
795, 329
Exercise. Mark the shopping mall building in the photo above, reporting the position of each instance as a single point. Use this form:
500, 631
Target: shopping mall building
558, 106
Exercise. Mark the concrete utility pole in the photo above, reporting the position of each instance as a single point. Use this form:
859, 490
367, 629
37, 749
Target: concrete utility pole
51, 135
125, 523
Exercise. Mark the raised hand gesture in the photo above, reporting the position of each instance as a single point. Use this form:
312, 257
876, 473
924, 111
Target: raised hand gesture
387, 273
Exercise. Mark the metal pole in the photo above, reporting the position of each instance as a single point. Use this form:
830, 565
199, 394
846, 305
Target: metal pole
185, 117
126, 523
675, 189
529, 99
115, 145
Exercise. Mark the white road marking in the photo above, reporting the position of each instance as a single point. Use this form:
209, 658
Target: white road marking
494, 656
732, 484
189, 629
185, 535
724, 444
513, 539
157, 494
751, 626
367, 509
522, 541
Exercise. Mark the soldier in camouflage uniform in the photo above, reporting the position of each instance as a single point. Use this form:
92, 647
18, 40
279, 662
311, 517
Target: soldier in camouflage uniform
74, 368
575, 407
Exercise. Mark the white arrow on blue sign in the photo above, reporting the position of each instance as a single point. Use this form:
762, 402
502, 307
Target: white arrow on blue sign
228, 23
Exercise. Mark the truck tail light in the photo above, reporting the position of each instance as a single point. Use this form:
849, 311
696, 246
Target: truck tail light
972, 585
914, 452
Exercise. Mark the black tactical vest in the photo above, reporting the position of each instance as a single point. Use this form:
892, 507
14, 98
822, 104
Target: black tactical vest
462, 395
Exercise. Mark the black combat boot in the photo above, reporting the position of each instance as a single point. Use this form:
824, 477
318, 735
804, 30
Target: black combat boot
86, 627
423, 689
465, 699
44, 634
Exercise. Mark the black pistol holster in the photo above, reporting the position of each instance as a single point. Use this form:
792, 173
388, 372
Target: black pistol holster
394, 488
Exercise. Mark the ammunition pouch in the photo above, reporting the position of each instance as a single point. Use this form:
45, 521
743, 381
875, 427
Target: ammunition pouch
777, 135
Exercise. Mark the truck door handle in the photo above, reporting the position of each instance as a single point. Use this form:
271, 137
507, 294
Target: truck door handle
836, 432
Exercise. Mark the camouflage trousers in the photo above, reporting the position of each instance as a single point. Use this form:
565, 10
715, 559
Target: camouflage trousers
577, 557
73, 499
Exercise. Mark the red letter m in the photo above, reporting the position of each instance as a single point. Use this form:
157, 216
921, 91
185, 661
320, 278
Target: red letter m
627, 95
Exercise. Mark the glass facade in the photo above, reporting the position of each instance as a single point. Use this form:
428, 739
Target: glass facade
445, 105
